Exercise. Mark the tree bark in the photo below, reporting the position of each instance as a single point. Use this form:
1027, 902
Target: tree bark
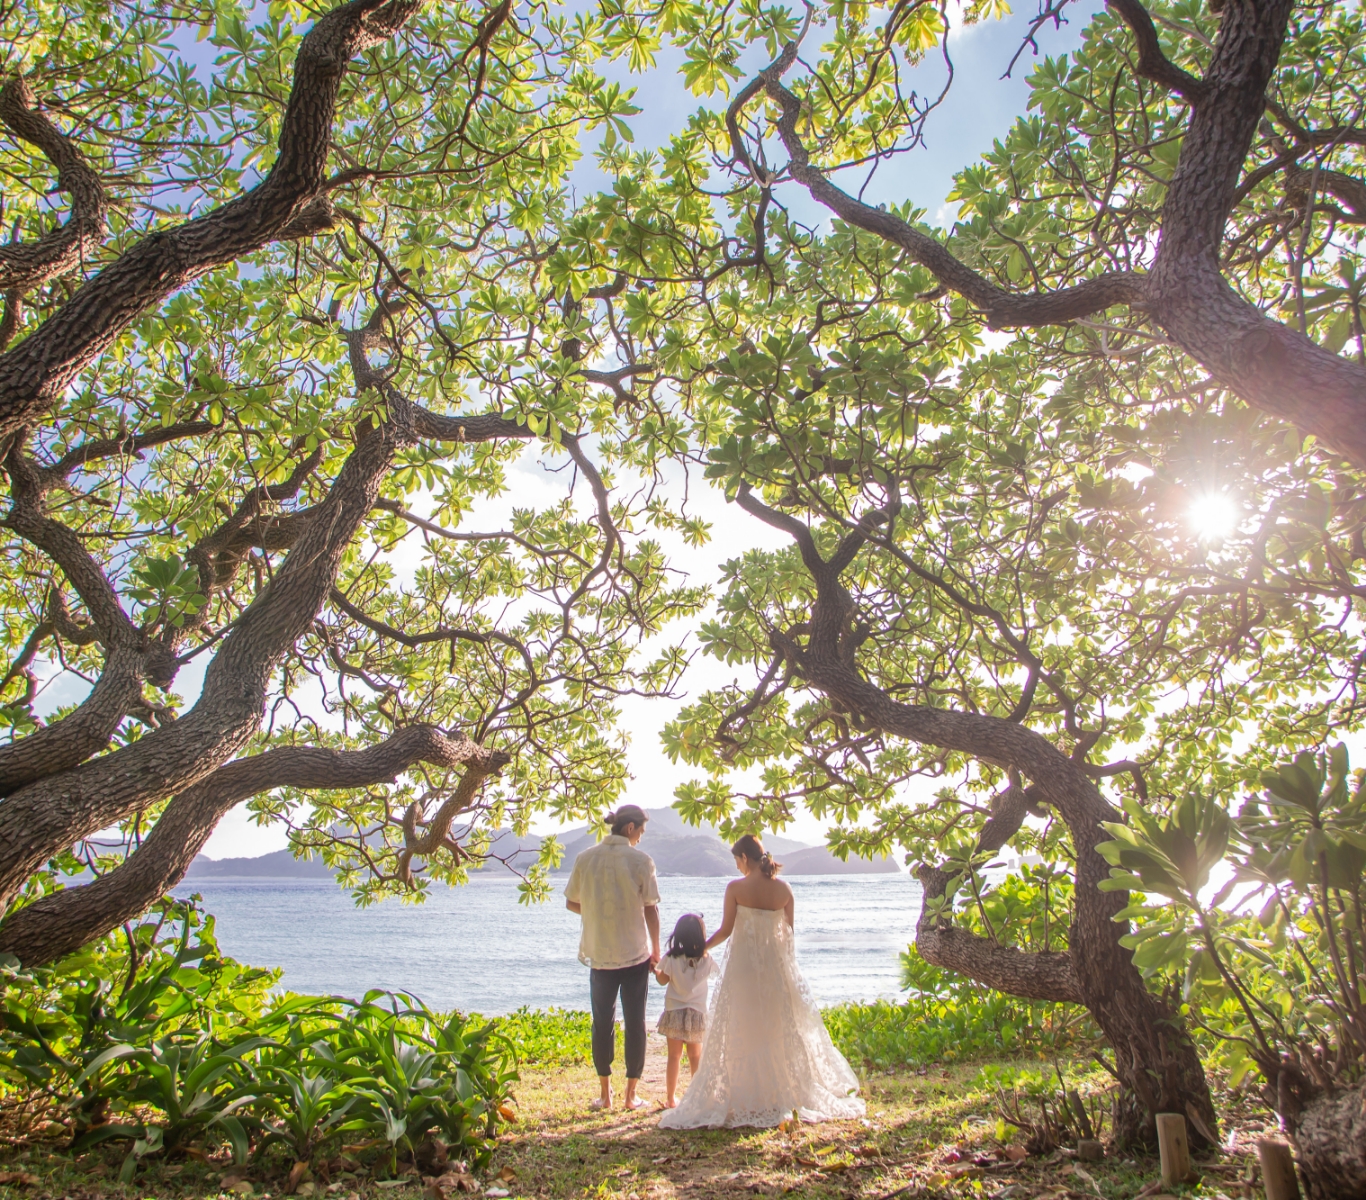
1329, 1132
24, 266
53, 812
130, 657
65, 744
60, 923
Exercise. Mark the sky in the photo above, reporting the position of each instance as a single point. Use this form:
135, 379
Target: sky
979, 108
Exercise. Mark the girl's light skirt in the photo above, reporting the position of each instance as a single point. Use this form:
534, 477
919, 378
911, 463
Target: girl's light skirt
685, 1024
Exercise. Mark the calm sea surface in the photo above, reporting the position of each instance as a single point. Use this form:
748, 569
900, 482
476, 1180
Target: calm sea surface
477, 949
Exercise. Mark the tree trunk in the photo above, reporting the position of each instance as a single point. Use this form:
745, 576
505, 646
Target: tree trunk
1328, 1128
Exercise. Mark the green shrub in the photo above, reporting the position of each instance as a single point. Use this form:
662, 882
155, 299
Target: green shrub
153, 1039
554, 1037
945, 1017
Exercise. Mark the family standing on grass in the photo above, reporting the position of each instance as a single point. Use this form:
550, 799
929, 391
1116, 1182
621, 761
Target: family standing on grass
761, 1053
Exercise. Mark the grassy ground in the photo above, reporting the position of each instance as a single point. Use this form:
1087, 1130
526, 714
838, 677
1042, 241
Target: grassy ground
927, 1134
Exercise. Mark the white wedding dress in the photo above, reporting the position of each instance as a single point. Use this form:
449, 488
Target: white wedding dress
766, 1052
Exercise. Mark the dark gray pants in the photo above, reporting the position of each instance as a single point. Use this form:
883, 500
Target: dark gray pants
634, 985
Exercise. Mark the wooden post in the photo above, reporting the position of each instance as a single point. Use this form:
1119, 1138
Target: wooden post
1174, 1148
1278, 1170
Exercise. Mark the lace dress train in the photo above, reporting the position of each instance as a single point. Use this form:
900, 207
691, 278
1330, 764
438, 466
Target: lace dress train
767, 1052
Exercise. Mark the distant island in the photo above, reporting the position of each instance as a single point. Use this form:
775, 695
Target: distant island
677, 848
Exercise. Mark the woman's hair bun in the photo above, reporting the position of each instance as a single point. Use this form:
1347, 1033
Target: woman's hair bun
752, 848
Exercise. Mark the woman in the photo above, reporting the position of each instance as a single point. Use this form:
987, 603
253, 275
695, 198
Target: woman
767, 1052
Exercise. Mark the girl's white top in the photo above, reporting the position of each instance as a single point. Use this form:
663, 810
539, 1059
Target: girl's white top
687, 981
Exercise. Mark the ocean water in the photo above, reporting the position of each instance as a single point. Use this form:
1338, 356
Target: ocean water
475, 948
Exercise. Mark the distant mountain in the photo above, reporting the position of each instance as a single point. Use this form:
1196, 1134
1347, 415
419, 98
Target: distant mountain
817, 860
280, 865
676, 847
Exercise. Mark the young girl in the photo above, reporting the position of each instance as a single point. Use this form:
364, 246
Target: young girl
685, 968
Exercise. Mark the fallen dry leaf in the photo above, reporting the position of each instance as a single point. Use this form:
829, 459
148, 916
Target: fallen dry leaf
507, 1174
452, 1181
296, 1175
508, 1113
18, 1179
1014, 1153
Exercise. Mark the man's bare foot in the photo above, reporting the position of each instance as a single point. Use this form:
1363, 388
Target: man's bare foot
631, 1103
601, 1103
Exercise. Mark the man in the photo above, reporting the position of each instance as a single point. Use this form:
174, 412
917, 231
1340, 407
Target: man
613, 888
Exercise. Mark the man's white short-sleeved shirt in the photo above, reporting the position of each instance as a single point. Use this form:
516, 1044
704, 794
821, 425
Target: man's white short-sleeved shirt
613, 883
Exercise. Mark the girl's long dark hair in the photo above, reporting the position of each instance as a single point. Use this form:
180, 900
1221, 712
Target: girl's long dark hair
752, 848
689, 938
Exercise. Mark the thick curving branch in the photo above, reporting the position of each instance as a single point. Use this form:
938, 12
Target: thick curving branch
128, 446
436, 835
290, 202
1345, 189
130, 657
1153, 64
1005, 968
1003, 309
63, 922
218, 555
28, 518
23, 266
63, 745
1046, 976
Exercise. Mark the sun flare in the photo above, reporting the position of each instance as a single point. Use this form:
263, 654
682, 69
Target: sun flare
1213, 515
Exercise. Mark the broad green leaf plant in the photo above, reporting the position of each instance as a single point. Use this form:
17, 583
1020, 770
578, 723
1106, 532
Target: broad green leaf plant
1273, 963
